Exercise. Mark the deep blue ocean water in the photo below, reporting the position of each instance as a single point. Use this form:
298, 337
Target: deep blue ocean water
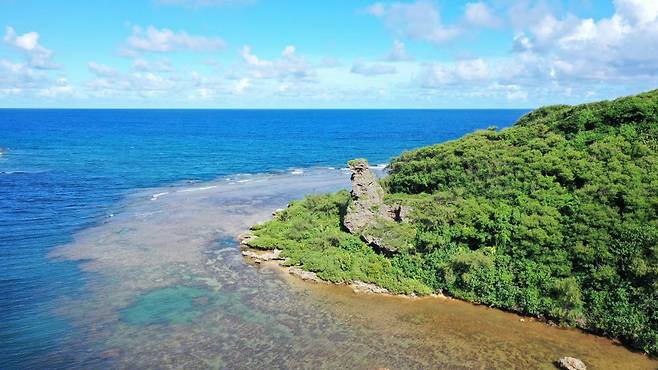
62, 171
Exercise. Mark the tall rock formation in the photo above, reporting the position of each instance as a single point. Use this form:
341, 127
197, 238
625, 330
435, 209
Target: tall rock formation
367, 215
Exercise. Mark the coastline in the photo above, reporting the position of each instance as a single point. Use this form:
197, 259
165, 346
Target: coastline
273, 260
140, 268
503, 218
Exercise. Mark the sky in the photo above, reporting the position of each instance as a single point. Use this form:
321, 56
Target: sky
324, 54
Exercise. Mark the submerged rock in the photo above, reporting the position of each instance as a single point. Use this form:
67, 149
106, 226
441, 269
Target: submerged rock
367, 215
571, 363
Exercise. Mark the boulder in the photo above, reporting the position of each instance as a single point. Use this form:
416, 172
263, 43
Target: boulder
571, 363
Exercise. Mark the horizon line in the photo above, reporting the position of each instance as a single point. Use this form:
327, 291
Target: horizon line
255, 108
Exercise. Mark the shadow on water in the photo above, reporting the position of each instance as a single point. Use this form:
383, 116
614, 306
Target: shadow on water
174, 291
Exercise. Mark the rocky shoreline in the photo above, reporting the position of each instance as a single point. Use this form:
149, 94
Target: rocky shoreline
259, 256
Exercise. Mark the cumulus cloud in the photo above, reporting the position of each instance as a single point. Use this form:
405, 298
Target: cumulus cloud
22, 80
28, 43
561, 55
479, 14
241, 85
290, 65
36, 75
470, 71
419, 20
641, 12
156, 40
376, 69
102, 70
133, 84
20, 76
162, 65
621, 46
153, 80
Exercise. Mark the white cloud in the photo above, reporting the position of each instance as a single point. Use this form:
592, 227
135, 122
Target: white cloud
473, 70
162, 40
21, 76
35, 77
60, 88
162, 65
638, 11
241, 85
398, 53
479, 14
437, 75
419, 20
28, 43
361, 68
620, 47
102, 70
289, 66
561, 57
22, 80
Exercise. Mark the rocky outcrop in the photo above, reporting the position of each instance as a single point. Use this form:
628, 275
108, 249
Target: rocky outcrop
367, 215
304, 275
367, 198
259, 257
570, 363
363, 287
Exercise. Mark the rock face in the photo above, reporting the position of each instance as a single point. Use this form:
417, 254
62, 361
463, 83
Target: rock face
570, 363
367, 198
367, 215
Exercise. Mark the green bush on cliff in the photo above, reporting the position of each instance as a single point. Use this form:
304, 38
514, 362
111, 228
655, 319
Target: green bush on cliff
556, 216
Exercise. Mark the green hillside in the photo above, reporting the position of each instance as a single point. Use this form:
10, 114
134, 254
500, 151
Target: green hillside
555, 217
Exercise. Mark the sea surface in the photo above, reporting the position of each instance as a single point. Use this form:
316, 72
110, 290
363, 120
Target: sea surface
117, 247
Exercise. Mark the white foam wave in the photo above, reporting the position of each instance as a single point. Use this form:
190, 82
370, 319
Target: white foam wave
197, 189
158, 195
379, 166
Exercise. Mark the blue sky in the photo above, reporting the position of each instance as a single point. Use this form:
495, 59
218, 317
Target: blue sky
330, 54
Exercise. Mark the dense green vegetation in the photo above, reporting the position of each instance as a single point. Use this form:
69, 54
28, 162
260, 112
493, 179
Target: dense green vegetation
556, 217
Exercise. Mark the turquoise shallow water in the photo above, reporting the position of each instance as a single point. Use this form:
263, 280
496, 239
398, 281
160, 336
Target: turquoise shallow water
64, 172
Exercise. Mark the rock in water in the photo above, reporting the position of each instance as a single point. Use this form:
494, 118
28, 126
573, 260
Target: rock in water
570, 363
368, 216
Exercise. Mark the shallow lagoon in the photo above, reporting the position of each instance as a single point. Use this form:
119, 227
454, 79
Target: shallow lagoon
169, 289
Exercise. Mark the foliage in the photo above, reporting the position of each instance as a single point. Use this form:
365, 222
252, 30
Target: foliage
556, 216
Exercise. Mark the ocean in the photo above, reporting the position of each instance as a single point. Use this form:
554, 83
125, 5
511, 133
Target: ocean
117, 234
